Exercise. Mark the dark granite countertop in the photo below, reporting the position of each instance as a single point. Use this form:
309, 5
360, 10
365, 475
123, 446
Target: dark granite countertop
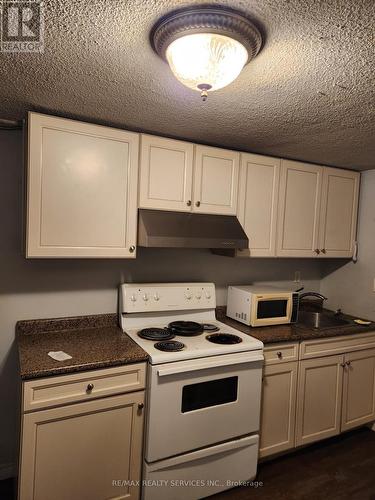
98, 342
295, 332
92, 341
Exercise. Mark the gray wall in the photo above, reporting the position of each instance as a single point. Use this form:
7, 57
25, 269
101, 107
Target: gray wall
54, 288
351, 286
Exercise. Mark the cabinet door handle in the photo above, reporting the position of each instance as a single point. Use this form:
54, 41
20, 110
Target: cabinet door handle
188, 203
348, 363
197, 203
317, 251
89, 388
141, 406
279, 354
132, 249
323, 250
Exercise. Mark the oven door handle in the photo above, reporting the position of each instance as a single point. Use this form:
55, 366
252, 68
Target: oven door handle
193, 365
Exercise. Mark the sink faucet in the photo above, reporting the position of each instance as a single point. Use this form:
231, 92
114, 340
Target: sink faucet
312, 294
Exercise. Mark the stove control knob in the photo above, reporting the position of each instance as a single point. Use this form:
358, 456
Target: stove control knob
156, 297
188, 295
198, 295
145, 297
208, 294
133, 298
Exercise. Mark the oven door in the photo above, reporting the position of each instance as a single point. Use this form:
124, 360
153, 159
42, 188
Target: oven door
200, 402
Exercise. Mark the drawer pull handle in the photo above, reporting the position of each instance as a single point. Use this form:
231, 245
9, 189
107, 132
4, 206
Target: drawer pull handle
89, 388
141, 406
197, 203
188, 203
317, 251
323, 250
279, 354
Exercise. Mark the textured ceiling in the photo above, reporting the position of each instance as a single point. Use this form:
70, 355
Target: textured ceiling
308, 95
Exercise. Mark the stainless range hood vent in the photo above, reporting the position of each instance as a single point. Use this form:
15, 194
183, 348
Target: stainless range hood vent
162, 229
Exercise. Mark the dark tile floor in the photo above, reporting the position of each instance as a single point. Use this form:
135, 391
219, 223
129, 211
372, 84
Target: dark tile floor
341, 468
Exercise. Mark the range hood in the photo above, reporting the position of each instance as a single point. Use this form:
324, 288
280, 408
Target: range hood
157, 228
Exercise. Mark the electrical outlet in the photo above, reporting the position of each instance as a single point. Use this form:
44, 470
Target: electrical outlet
297, 277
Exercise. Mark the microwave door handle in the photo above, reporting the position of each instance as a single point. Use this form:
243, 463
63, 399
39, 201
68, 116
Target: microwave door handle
202, 365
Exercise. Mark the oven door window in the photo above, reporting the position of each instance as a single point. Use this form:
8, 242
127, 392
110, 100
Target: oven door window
206, 394
272, 308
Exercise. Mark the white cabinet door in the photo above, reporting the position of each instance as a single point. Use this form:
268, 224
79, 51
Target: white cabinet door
358, 406
216, 180
78, 451
319, 399
257, 203
299, 207
82, 189
278, 412
166, 173
338, 219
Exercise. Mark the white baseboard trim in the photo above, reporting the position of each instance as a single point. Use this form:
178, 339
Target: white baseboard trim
7, 471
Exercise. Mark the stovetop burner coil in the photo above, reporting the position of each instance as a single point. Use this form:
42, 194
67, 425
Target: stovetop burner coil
156, 334
170, 346
224, 338
186, 328
209, 327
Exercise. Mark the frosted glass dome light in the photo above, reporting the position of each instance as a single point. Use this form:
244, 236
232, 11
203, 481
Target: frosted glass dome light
206, 61
206, 47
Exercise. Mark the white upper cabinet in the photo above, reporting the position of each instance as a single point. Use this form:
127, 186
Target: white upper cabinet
317, 211
338, 212
83, 196
166, 172
299, 209
216, 180
82, 189
176, 175
257, 203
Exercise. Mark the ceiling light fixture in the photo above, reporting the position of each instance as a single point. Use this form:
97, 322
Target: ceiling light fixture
206, 47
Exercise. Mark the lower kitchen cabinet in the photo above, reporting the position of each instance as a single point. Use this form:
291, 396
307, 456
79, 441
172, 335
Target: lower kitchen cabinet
359, 389
90, 450
319, 399
278, 408
315, 390
78, 451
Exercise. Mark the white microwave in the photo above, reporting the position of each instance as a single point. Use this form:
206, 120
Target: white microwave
262, 306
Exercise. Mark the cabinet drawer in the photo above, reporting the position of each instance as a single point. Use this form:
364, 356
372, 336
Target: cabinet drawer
63, 389
279, 353
337, 345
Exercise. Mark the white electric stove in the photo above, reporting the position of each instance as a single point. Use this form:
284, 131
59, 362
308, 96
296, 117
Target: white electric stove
204, 388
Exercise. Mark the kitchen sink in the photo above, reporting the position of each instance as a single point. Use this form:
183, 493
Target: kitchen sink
320, 320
